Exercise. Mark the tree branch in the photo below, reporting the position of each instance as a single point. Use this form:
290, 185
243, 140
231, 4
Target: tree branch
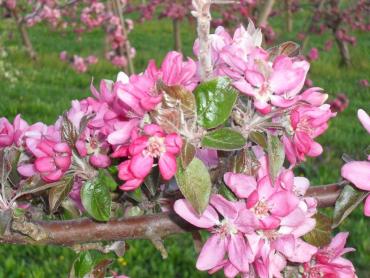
151, 227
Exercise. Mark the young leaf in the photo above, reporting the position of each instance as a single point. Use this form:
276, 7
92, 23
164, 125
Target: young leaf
106, 179
83, 264
276, 155
288, 48
59, 192
258, 138
96, 200
195, 184
245, 162
215, 100
187, 154
225, 139
69, 133
321, 234
347, 201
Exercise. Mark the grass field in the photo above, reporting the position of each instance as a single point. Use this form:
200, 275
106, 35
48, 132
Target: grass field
45, 88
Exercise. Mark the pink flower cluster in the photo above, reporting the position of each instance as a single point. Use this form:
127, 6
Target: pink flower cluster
358, 172
93, 16
78, 63
328, 261
259, 233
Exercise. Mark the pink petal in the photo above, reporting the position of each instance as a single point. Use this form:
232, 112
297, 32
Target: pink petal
364, 119
367, 207
237, 252
244, 87
241, 185
301, 184
208, 219
282, 203
141, 165
138, 145
63, 162
123, 134
152, 129
294, 219
100, 160
131, 184
173, 143
358, 173
246, 221
303, 252
315, 149
224, 207
213, 252
53, 176
254, 77
285, 244
26, 170
45, 164
269, 222
167, 165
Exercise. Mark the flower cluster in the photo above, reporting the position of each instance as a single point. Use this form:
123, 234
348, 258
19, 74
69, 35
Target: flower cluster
78, 63
261, 231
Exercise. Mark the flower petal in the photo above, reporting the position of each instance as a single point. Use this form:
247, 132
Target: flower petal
208, 219
358, 173
213, 252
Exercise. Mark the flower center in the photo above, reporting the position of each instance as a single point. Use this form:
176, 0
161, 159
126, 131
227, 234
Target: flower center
305, 126
156, 147
227, 228
314, 272
261, 209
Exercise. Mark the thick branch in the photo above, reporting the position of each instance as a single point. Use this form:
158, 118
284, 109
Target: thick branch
71, 232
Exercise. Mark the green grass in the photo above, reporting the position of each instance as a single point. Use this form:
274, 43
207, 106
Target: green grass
46, 87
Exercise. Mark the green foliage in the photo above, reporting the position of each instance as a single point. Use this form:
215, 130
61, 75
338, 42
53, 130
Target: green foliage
96, 200
225, 139
195, 184
45, 88
215, 100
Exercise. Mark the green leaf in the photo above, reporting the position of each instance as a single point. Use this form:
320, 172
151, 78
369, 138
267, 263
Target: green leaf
227, 193
258, 138
245, 162
91, 262
83, 264
215, 100
276, 155
106, 178
195, 184
96, 200
187, 154
59, 192
321, 234
225, 139
347, 201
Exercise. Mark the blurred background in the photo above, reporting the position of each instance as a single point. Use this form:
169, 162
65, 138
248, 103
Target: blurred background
66, 57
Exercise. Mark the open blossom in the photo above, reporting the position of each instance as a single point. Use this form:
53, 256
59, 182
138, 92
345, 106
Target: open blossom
140, 94
267, 223
358, 172
277, 84
328, 261
143, 151
12, 133
227, 232
307, 122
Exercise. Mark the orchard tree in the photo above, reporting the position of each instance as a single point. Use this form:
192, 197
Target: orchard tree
190, 145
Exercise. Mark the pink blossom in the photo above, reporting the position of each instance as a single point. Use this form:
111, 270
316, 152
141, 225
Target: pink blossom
328, 261
313, 55
278, 84
12, 133
63, 55
6, 133
79, 64
358, 172
91, 59
364, 83
227, 235
307, 123
144, 150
